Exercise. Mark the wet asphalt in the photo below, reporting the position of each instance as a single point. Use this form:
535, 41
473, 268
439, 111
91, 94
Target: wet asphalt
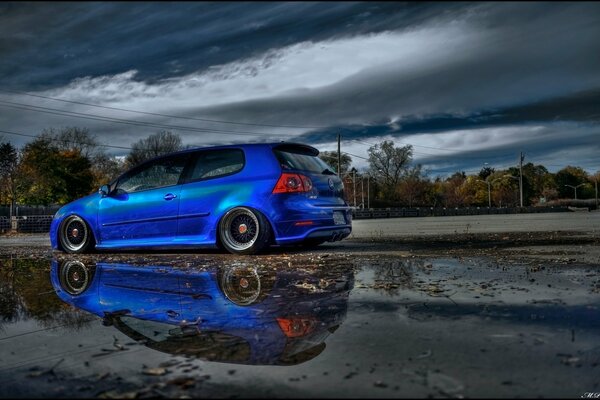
485, 314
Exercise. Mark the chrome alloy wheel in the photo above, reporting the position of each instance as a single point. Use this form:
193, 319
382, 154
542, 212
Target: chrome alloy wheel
239, 229
241, 284
73, 233
74, 277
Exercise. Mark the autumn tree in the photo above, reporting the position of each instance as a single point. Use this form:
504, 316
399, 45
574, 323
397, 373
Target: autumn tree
9, 160
48, 175
104, 167
454, 196
73, 138
505, 191
387, 163
486, 172
572, 176
160, 143
413, 186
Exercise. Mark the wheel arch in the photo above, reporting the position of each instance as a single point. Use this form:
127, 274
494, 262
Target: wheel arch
254, 209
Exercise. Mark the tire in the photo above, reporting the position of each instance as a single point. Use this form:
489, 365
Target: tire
244, 231
75, 235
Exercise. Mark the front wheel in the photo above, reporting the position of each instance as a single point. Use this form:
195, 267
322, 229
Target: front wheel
75, 235
244, 231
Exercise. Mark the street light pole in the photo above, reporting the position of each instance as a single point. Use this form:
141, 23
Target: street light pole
575, 188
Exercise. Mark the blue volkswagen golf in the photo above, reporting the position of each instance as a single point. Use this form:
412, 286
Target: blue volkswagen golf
239, 197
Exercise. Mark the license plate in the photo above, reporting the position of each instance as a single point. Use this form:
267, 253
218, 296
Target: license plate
338, 218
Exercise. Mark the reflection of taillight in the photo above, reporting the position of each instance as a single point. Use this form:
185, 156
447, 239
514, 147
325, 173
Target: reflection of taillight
293, 183
297, 326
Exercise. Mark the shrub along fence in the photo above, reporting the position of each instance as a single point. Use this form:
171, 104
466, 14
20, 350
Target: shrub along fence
438, 212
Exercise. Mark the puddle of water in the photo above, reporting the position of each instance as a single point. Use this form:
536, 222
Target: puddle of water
370, 328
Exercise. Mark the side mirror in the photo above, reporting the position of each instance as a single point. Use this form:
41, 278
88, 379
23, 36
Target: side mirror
104, 190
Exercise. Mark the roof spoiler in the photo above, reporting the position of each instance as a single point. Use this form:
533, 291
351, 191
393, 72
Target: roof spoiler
297, 148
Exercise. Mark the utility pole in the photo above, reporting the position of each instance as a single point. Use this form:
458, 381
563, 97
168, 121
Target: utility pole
362, 192
339, 155
521, 177
369, 194
354, 184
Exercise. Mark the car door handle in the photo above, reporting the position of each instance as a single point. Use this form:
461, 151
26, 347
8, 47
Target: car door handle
170, 196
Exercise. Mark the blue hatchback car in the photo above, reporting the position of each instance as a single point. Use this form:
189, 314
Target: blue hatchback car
239, 197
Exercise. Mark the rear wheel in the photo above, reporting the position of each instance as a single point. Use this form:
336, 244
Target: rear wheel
244, 231
75, 235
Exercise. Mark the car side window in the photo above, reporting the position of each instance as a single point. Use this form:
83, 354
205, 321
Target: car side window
159, 173
216, 163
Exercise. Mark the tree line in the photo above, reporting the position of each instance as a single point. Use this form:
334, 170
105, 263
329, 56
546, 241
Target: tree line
395, 181
59, 166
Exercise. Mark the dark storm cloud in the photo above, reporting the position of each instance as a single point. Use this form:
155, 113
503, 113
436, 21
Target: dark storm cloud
466, 75
552, 55
581, 107
49, 44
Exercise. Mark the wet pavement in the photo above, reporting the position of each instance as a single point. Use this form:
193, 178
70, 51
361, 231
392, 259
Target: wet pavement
320, 324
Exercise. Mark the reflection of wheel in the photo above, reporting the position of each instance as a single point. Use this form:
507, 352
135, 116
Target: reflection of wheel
244, 285
244, 231
75, 235
75, 277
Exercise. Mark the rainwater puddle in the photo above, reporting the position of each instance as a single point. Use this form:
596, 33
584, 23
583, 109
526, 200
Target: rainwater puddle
389, 327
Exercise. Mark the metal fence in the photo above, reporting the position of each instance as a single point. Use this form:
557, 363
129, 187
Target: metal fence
26, 224
22, 211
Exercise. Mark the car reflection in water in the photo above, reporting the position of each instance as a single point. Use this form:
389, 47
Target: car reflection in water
237, 313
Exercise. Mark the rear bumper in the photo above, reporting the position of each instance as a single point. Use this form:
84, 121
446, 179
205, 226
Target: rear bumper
330, 234
315, 224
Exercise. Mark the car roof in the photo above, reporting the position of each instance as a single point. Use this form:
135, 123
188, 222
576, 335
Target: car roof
242, 145
311, 149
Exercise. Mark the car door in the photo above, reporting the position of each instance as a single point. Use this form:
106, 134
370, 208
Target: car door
143, 206
209, 181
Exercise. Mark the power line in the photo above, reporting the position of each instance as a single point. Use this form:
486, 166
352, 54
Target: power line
94, 117
160, 114
64, 140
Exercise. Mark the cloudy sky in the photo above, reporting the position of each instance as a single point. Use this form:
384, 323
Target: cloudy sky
464, 83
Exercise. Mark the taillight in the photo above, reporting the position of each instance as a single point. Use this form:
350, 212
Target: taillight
293, 183
297, 326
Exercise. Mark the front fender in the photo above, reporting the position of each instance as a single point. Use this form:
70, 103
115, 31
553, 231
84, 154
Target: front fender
86, 208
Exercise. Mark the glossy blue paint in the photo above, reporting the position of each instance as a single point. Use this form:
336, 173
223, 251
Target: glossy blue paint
171, 309
188, 213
